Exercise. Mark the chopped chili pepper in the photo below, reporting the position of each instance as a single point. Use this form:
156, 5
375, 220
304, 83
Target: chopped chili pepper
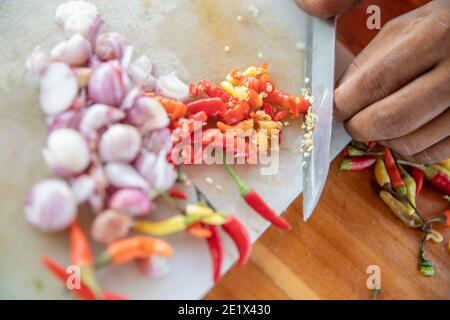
199, 116
198, 230
177, 193
82, 256
396, 180
236, 230
281, 115
268, 110
236, 114
437, 177
418, 176
215, 246
213, 107
83, 291
124, 250
356, 164
174, 108
203, 86
298, 105
381, 175
255, 201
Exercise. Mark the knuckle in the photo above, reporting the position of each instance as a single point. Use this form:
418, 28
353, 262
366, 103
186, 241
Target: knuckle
340, 112
356, 129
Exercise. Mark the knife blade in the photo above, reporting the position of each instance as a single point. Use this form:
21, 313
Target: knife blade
321, 73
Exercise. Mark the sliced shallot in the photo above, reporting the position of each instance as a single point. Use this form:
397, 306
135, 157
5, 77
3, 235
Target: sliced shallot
106, 84
120, 143
74, 52
135, 202
59, 88
110, 225
50, 205
98, 116
171, 87
123, 175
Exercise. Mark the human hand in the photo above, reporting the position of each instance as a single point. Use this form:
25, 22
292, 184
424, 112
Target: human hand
397, 90
325, 8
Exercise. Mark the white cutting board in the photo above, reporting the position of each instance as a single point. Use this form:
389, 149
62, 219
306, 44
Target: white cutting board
184, 36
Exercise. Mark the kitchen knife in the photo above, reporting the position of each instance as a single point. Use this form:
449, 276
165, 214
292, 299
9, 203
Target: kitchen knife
321, 52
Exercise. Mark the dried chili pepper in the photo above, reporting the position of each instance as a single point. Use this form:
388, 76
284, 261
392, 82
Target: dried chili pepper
437, 177
255, 201
396, 180
356, 164
400, 210
382, 176
215, 246
83, 291
177, 193
213, 107
236, 230
410, 184
418, 176
124, 250
82, 256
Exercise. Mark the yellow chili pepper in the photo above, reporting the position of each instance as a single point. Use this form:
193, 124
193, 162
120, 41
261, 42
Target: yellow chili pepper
381, 175
228, 87
216, 219
445, 164
410, 184
161, 228
231, 80
250, 72
198, 209
400, 210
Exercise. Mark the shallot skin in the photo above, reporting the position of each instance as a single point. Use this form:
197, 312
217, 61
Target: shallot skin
50, 206
120, 143
67, 152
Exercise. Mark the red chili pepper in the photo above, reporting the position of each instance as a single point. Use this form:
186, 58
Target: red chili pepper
396, 179
253, 99
356, 164
268, 110
281, 115
236, 230
267, 86
83, 292
418, 176
177, 193
298, 105
216, 250
81, 255
213, 107
344, 152
199, 116
437, 178
372, 144
278, 98
238, 113
255, 201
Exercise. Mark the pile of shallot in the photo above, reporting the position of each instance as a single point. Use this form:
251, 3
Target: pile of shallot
107, 141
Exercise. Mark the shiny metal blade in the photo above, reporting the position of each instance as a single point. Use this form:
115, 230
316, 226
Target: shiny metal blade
321, 73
